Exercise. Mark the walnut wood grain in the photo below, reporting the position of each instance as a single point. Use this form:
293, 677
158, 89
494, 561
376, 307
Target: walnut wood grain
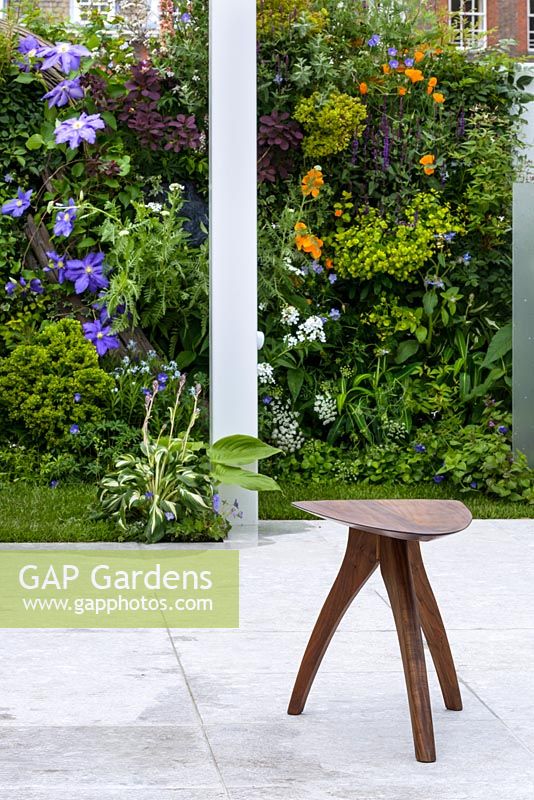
396, 571
358, 565
434, 631
413, 520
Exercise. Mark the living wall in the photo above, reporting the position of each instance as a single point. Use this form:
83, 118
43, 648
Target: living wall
385, 166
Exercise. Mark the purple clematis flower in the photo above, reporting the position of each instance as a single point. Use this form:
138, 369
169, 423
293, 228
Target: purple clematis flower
36, 286
57, 263
30, 48
87, 273
77, 129
19, 204
63, 92
64, 224
101, 336
63, 55
10, 287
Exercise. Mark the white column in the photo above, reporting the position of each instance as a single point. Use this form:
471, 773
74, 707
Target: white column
233, 220
523, 289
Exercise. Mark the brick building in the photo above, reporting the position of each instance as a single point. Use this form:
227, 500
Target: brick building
491, 20
476, 21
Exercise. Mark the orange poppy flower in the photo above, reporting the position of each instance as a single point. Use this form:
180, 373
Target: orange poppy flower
300, 226
428, 162
432, 83
338, 212
386, 69
438, 97
414, 75
312, 182
418, 55
309, 244
363, 88
329, 263
402, 90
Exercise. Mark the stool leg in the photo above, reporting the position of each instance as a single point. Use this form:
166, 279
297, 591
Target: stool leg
434, 631
358, 565
397, 574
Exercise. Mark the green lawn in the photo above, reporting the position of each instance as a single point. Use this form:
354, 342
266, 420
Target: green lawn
38, 514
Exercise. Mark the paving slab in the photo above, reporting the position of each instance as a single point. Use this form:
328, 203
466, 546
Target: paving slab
201, 715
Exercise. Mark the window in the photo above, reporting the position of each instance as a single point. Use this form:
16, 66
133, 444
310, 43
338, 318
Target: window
144, 13
530, 26
80, 10
468, 18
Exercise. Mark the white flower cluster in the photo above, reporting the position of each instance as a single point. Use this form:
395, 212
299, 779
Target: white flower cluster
285, 432
325, 407
265, 373
289, 316
156, 207
311, 330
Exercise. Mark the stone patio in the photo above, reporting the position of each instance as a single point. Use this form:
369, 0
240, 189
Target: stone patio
201, 715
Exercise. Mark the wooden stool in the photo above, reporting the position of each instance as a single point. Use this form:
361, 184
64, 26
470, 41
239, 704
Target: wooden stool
388, 532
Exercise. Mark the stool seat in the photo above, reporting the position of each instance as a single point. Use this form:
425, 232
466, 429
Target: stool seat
386, 534
412, 520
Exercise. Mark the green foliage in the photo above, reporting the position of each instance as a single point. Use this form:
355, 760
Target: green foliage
330, 123
371, 243
38, 383
169, 488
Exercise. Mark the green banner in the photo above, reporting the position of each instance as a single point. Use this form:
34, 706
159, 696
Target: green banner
119, 589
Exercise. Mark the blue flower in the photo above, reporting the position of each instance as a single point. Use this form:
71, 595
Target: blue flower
63, 92
374, 40
332, 278
419, 448
64, 224
438, 478
473, 485
169, 516
146, 392
449, 236
30, 48
392, 51
101, 336
19, 204
8, 177
317, 268
87, 273
466, 258
216, 502
77, 129
53, 484
185, 18
10, 287
502, 429
36, 286
77, 397
149, 495
393, 63
409, 62
162, 378
74, 429
56, 263
267, 400
278, 79
437, 283
334, 314
63, 55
